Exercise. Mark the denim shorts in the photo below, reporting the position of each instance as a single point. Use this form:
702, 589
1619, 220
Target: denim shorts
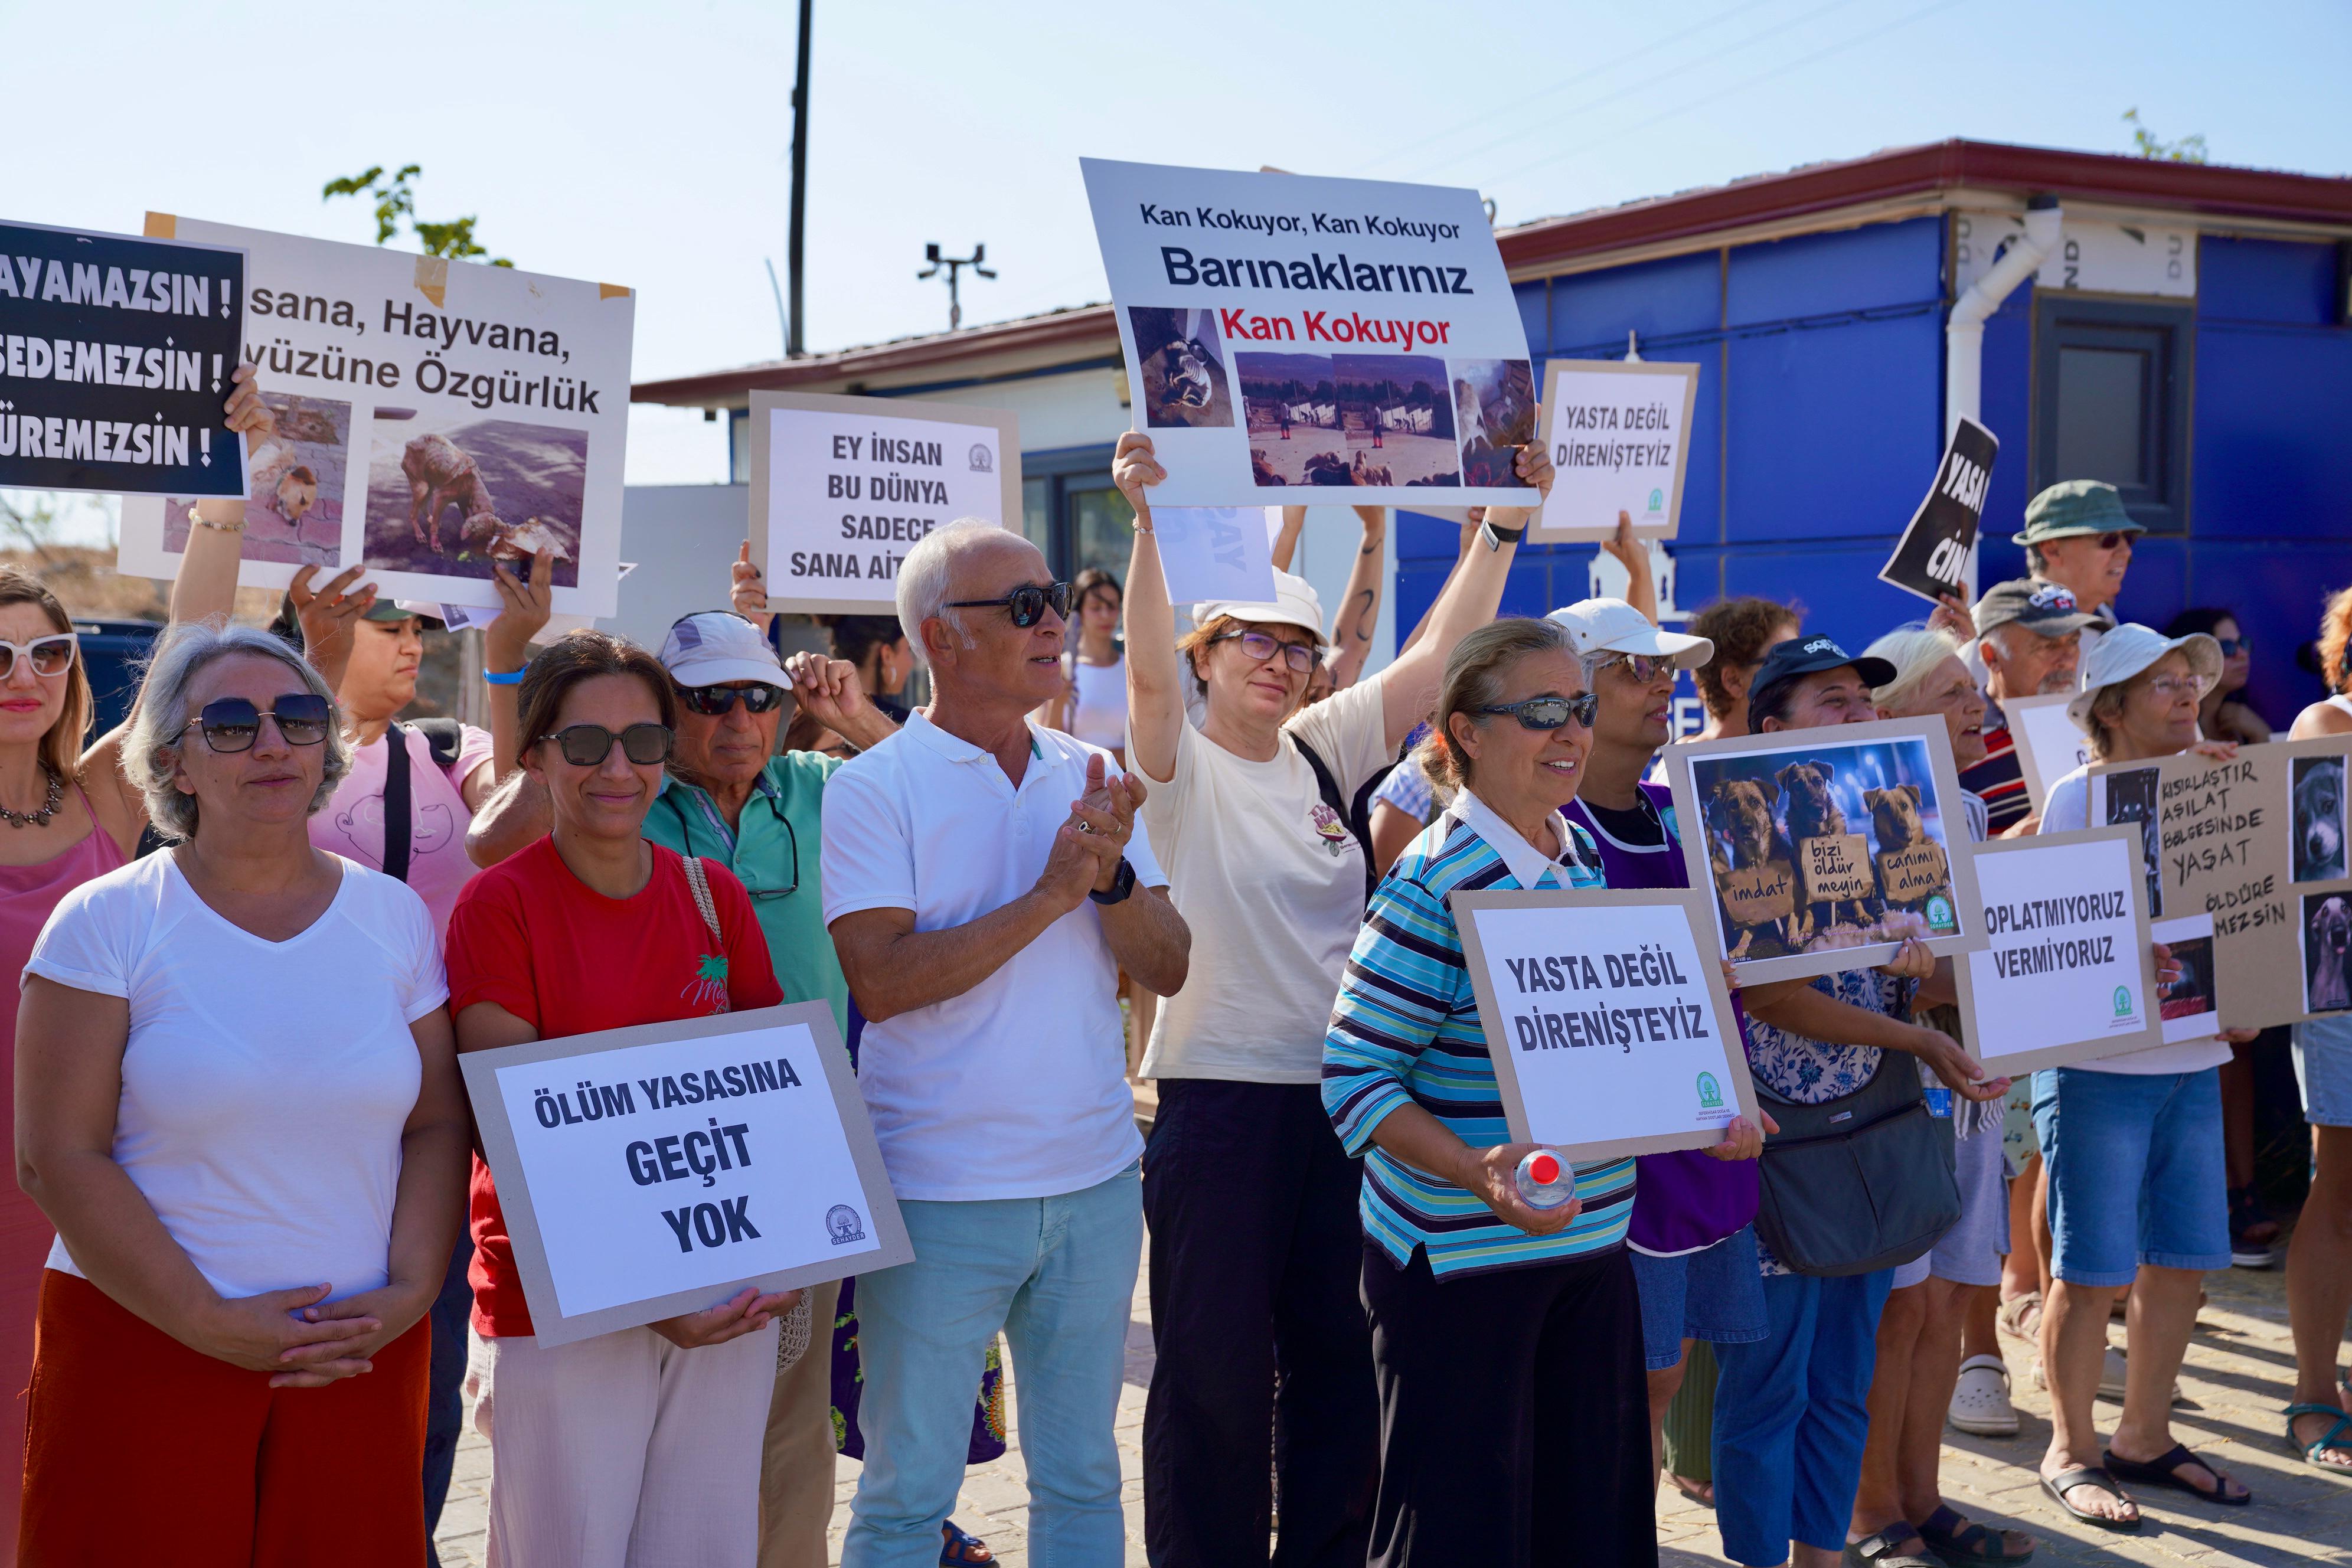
1714, 1294
2322, 1065
2135, 1171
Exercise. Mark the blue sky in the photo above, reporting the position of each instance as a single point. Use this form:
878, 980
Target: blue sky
647, 145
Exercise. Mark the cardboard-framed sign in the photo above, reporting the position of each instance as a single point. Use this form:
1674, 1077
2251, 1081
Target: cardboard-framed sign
1825, 848
1931, 559
2067, 975
842, 488
655, 1171
2048, 744
1607, 1018
1619, 432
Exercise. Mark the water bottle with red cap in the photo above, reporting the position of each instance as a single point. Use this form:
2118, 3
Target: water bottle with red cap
1545, 1181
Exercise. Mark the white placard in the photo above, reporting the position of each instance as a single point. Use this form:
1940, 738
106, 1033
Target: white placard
2048, 744
1619, 435
1213, 553
1285, 332
415, 396
2066, 976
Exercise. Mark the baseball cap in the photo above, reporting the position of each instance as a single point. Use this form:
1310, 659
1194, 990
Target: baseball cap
1294, 605
2050, 609
1798, 657
717, 645
2126, 650
1612, 626
2074, 507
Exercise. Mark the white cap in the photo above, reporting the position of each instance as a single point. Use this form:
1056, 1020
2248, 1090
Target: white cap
716, 647
1612, 626
2129, 648
1294, 604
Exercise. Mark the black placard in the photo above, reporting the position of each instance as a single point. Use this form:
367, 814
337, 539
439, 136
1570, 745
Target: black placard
1931, 558
115, 362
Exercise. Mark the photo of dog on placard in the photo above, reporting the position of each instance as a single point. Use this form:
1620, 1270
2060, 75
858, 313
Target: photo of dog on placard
2131, 797
450, 495
1184, 385
294, 509
2327, 952
2317, 819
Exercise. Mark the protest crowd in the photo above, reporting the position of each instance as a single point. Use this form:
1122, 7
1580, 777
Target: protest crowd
259, 1267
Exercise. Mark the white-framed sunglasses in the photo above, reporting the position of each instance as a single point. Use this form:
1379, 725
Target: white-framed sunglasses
52, 655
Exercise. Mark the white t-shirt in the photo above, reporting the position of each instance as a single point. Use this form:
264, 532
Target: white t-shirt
2069, 811
1017, 1088
264, 1084
1272, 883
1098, 714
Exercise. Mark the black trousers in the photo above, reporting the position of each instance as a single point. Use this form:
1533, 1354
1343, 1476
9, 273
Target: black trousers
1264, 1360
1514, 1420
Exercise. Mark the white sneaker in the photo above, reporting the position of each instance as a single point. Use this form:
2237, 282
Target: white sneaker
1980, 1400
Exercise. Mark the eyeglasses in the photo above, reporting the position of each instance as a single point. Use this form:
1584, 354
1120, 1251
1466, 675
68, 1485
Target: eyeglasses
715, 701
2110, 540
1027, 604
1640, 667
587, 745
234, 724
2173, 688
2231, 647
49, 654
1261, 646
1549, 713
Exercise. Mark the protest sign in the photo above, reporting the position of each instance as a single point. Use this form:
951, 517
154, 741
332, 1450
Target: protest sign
1213, 553
431, 416
115, 363
841, 487
2066, 975
1281, 330
1824, 849
2191, 1006
1931, 558
654, 1170
1619, 432
1607, 1018
2048, 744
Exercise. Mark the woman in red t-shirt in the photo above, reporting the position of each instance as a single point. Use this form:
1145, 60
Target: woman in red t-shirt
650, 1435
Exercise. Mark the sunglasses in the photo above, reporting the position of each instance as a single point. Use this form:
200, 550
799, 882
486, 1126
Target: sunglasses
234, 724
714, 700
2231, 647
1544, 714
587, 745
48, 656
1027, 604
1641, 667
2110, 540
1261, 646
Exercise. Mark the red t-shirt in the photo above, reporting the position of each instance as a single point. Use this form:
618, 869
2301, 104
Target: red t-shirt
531, 937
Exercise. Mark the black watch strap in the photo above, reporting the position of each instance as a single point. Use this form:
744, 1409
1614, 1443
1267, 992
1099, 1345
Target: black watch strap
1122, 883
1499, 537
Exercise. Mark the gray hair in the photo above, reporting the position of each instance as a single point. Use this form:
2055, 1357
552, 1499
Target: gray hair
1915, 652
159, 723
926, 578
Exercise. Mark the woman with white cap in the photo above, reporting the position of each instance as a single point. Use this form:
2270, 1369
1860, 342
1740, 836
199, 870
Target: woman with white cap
1255, 1246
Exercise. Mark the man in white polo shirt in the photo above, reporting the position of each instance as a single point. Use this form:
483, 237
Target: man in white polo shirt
984, 882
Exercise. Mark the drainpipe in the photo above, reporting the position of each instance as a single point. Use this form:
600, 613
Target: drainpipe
1964, 330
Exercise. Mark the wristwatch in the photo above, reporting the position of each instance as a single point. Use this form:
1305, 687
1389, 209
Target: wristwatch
1122, 882
1499, 537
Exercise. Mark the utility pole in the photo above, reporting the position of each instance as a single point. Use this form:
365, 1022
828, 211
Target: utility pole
795, 345
954, 264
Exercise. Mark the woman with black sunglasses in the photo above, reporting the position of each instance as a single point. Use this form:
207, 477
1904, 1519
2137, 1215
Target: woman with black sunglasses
1250, 1196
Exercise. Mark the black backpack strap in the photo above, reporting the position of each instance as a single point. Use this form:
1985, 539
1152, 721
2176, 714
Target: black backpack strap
445, 736
1359, 821
398, 810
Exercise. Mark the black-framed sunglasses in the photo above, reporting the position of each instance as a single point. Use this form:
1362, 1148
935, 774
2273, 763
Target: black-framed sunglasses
587, 745
1262, 645
1641, 667
1549, 713
232, 724
715, 701
2109, 539
1027, 604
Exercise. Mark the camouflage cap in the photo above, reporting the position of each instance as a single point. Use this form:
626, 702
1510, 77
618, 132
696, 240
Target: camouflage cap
2074, 507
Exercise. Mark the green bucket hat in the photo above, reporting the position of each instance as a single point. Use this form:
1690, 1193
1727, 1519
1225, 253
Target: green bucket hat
2074, 507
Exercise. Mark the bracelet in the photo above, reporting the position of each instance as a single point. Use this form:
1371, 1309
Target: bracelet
201, 521
503, 678
1499, 537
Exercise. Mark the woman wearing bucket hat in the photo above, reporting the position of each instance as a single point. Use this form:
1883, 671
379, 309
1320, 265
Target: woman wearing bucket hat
2132, 1144
1252, 1200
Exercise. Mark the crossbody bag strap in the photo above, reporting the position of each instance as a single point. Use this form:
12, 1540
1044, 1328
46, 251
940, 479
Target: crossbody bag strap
398, 808
699, 883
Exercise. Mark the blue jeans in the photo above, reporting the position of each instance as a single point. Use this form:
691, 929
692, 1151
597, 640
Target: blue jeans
1791, 1414
2136, 1172
1057, 1276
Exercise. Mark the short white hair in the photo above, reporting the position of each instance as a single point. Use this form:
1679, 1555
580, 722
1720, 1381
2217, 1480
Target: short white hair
159, 723
927, 578
1915, 652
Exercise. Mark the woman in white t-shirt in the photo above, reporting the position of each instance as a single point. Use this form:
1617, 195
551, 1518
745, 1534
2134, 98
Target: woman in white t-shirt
239, 1105
1095, 707
1252, 1201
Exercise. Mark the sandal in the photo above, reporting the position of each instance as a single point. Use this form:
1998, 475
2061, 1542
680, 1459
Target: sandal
1981, 1403
958, 1548
1699, 1492
2057, 1486
1963, 1543
1890, 1548
2020, 1317
2328, 1443
2164, 1470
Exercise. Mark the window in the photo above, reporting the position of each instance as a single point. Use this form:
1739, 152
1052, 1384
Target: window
1072, 512
2111, 401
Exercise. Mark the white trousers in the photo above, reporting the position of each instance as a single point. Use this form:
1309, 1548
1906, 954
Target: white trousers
624, 1451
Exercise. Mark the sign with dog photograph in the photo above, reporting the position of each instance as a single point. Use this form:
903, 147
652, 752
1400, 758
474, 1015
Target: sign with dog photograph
655, 1171
2066, 974
2049, 746
431, 417
1826, 848
1619, 431
1284, 332
1607, 1018
115, 363
2255, 841
841, 487
1931, 559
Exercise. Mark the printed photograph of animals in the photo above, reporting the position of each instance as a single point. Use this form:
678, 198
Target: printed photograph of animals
2318, 819
2327, 952
294, 504
2196, 993
1819, 846
2131, 797
1184, 382
1495, 408
1395, 421
448, 494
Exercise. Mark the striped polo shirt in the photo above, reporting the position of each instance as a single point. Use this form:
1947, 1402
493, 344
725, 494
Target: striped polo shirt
1405, 1028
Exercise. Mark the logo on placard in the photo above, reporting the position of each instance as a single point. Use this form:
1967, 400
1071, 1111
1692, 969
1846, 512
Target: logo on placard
981, 462
1710, 1093
1657, 501
2122, 1002
1938, 913
841, 1223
